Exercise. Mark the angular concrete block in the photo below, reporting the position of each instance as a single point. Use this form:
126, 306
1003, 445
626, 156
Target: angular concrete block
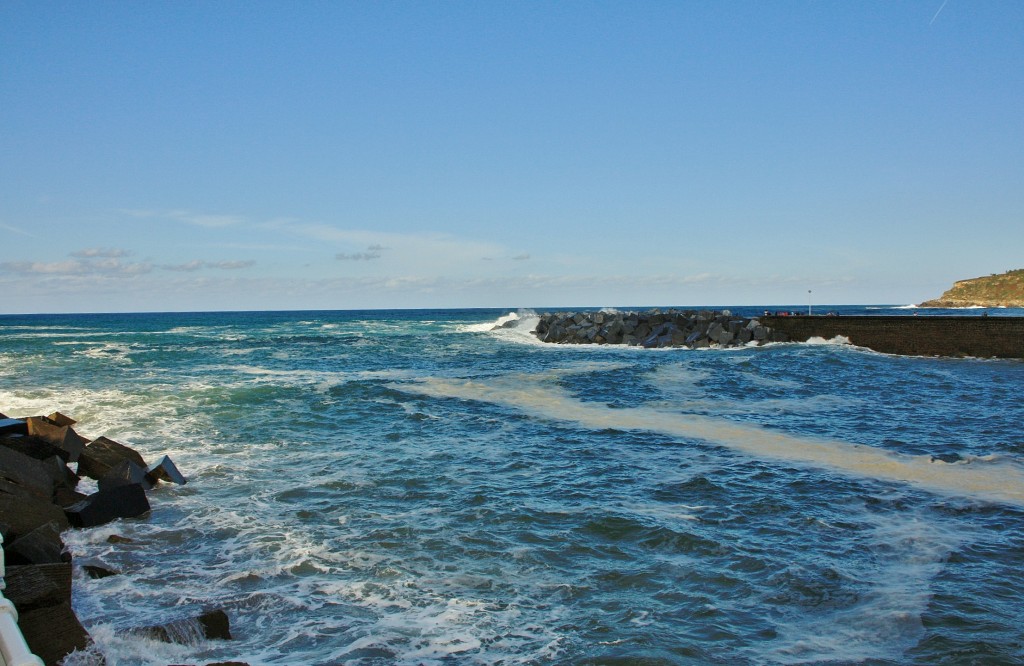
33, 447
61, 419
42, 545
107, 505
102, 454
125, 473
54, 632
63, 437
165, 470
65, 497
32, 586
13, 426
24, 476
21, 515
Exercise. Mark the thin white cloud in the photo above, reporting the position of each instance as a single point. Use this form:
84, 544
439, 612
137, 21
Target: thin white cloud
231, 265
187, 267
76, 267
106, 252
199, 264
210, 220
421, 253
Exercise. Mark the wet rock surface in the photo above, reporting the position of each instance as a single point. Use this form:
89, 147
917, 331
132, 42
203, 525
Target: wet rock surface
42, 459
693, 329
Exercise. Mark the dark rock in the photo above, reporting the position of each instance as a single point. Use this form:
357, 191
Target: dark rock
13, 426
32, 586
125, 473
117, 538
107, 505
165, 470
53, 632
216, 624
33, 447
212, 624
42, 545
65, 497
24, 476
103, 454
722, 336
96, 571
61, 420
554, 334
21, 515
654, 328
63, 437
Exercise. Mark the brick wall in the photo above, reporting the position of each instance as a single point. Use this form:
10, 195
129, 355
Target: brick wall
984, 337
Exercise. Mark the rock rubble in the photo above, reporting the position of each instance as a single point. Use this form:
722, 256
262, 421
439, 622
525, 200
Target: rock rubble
39, 500
693, 329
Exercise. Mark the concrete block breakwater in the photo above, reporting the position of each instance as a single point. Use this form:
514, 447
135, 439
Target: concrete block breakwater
656, 328
39, 501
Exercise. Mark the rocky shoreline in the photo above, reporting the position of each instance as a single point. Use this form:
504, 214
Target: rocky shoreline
693, 329
42, 459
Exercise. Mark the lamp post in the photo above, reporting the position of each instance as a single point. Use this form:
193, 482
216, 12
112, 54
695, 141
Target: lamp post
808, 302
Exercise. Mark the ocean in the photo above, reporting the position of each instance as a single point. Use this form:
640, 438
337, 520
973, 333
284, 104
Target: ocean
412, 487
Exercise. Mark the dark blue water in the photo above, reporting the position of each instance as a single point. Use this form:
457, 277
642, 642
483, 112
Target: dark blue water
407, 487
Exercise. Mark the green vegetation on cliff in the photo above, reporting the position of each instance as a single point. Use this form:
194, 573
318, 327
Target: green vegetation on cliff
1006, 290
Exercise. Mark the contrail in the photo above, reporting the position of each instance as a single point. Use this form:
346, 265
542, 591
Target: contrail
941, 7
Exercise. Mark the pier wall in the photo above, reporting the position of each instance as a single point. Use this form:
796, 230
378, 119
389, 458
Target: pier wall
983, 337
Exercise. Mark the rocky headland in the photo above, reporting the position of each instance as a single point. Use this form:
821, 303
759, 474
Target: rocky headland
42, 461
992, 291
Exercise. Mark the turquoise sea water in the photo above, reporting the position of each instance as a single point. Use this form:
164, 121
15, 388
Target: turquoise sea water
408, 487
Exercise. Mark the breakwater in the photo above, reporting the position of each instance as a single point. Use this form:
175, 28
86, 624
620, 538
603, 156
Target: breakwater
981, 337
957, 336
40, 501
656, 328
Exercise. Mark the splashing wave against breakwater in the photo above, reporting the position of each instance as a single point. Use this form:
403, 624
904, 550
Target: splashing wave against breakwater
413, 487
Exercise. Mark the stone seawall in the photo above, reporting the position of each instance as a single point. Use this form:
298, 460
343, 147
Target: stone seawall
655, 328
981, 337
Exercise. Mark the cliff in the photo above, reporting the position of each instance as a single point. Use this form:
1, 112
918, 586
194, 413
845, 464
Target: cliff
1005, 290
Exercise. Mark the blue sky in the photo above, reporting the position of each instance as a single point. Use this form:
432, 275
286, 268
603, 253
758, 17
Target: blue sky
273, 155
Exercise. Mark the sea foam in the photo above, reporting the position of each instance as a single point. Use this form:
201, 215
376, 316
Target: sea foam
537, 395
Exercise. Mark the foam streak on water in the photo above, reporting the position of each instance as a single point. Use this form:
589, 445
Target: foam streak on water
990, 480
379, 488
